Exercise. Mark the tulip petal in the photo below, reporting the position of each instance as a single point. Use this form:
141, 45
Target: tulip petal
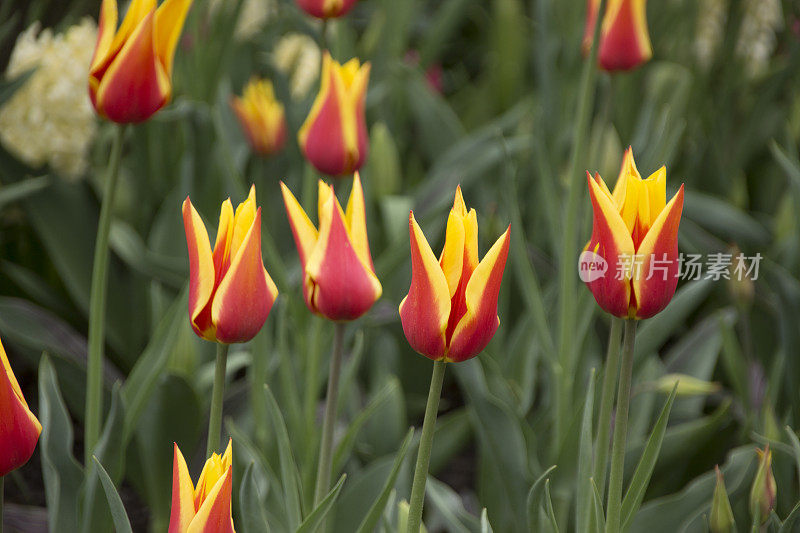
245, 296
19, 428
135, 84
356, 218
201, 271
626, 42
303, 230
480, 322
214, 515
183, 510
659, 250
612, 241
322, 135
243, 220
106, 28
656, 187
170, 17
222, 245
425, 310
451, 260
343, 287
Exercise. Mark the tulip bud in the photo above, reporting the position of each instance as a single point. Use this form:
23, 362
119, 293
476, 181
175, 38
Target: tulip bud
339, 279
763, 493
721, 519
450, 312
634, 242
230, 291
130, 77
334, 136
326, 9
19, 428
206, 507
624, 39
261, 116
687, 385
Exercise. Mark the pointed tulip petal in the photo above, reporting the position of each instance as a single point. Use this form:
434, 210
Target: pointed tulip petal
451, 260
106, 28
244, 298
19, 428
425, 310
182, 511
222, 245
344, 287
303, 230
356, 218
170, 17
659, 251
201, 271
135, 85
480, 322
612, 241
214, 515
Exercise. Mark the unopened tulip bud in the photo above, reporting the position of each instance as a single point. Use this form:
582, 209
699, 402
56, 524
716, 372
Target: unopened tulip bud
763, 493
721, 519
687, 385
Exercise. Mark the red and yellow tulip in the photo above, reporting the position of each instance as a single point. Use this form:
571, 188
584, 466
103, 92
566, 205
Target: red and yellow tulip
334, 136
635, 231
450, 312
207, 507
261, 116
326, 9
230, 291
19, 428
339, 279
130, 77
624, 39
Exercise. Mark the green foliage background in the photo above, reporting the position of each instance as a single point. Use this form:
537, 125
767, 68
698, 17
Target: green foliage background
502, 127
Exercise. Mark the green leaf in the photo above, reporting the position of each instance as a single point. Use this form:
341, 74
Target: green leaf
795, 447
378, 506
62, 473
486, 527
344, 447
121, 522
317, 516
548, 502
149, 369
252, 518
534, 496
789, 523
22, 189
450, 508
9, 87
583, 503
290, 477
647, 462
598, 517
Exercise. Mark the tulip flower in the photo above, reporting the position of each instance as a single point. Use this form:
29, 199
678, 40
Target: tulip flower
130, 77
763, 493
624, 39
635, 238
19, 428
334, 136
230, 291
450, 312
339, 279
326, 9
261, 116
206, 507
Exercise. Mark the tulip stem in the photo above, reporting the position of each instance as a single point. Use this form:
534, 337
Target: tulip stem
332, 395
215, 416
569, 258
606, 403
425, 445
97, 303
620, 430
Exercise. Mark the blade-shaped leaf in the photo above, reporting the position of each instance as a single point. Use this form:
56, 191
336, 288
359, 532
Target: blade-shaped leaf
583, 504
121, 522
647, 462
251, 508
289, 474
317, 516
534, 497
486, 527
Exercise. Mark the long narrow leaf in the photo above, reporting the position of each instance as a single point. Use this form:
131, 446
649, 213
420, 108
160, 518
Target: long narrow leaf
583, 504
534, 495
289, 474
641, 476
318, 515
121, 522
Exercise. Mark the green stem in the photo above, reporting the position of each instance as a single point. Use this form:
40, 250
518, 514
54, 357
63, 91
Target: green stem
567, 272
326, 446
620, 430
425, 445
606, 403
217, 396
97, 303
